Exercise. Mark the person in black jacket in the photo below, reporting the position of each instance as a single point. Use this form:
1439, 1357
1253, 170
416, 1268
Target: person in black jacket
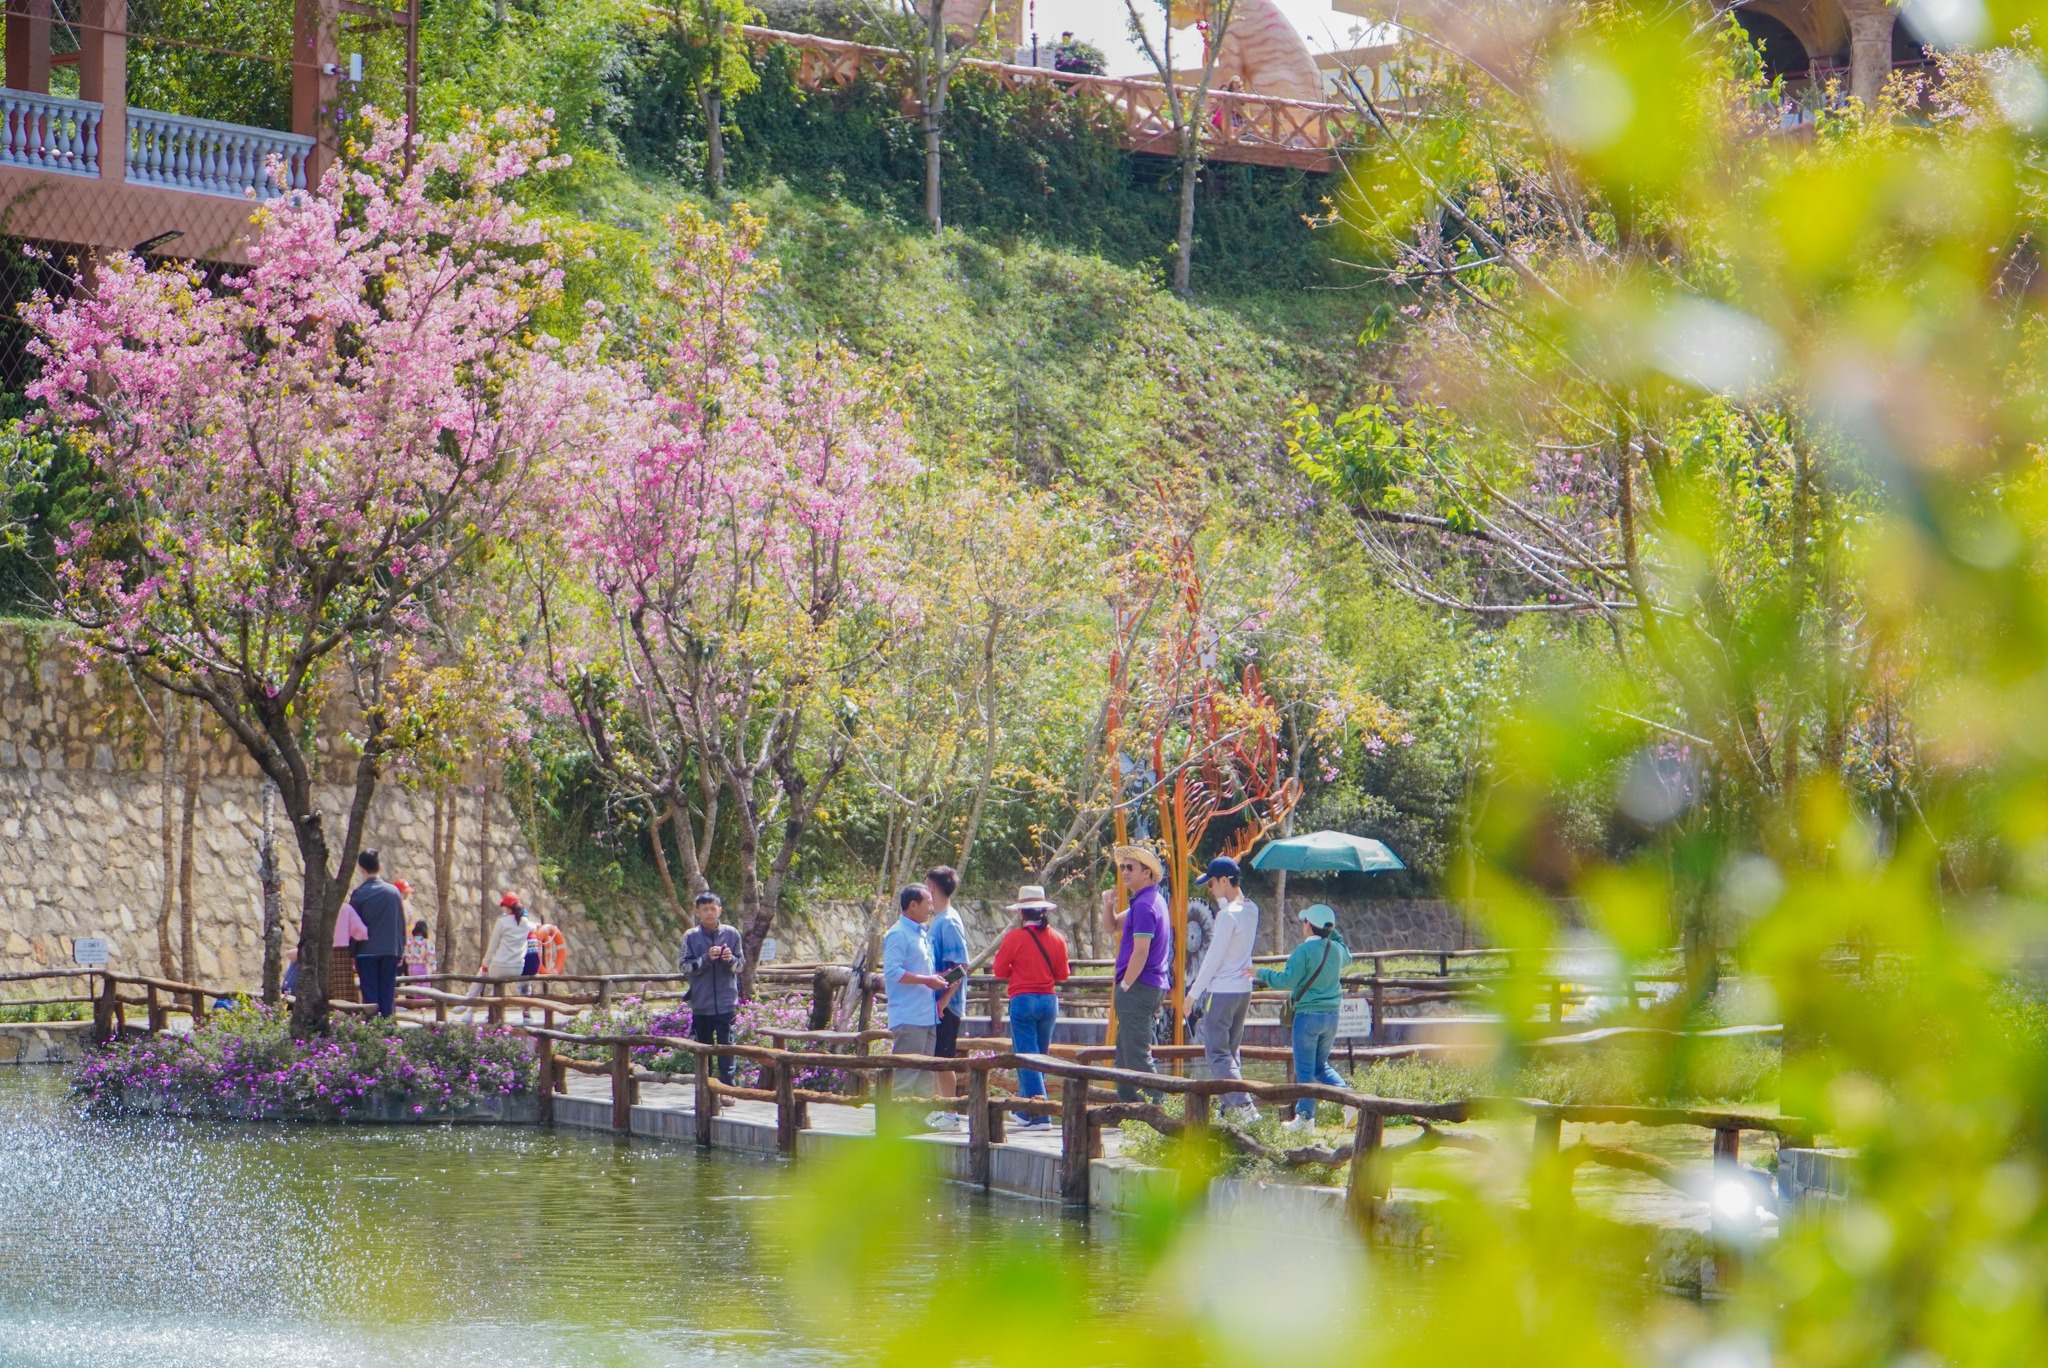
382, 909
713, 956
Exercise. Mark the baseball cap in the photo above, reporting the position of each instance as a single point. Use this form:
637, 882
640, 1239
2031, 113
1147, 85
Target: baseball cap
1222, 867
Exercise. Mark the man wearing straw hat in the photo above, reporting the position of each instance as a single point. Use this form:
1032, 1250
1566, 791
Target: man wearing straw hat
1144, 958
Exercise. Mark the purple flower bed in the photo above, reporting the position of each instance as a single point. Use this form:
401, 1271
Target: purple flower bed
244, 1065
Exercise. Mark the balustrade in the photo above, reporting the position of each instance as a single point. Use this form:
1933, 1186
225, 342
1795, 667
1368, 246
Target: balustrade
49, 133
210, 158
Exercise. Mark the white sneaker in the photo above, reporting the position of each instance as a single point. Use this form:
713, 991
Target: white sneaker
1299, 1123
945, 1121
1243, 1116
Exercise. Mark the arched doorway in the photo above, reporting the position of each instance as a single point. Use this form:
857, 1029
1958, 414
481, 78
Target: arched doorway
1782, 52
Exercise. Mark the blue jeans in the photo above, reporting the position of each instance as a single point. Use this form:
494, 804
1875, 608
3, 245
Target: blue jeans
377, 975
1314, 1034
1032, 1017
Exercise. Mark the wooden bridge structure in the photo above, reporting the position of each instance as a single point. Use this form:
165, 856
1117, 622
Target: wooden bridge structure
1261, 130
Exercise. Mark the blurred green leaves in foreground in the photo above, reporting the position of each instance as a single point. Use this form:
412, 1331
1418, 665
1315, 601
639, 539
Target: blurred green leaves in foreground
1741, 417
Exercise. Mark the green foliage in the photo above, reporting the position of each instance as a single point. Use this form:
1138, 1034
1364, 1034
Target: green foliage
29, 1012
1018, 162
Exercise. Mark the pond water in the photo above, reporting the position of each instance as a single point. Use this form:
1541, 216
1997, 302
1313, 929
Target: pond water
179, 1244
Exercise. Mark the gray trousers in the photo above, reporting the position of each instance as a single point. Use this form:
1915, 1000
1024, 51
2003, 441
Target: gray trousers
1221, 1036
1136, 1010
912, 1040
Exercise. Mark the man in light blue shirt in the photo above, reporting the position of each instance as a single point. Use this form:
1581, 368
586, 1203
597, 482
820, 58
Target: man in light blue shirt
912, 987
949, 951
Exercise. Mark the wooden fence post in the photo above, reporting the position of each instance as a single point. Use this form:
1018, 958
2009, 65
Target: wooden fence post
1727, 1149
440, 1011
785, 1109
1366, 1184
155, 1008
1074, 1140
1195, 1115
707, 1101
198, 1009
604, 994
1379, 1007
544, 1077
1548, 1129
497, 1013
977, 1127
105, 1009
622, 1089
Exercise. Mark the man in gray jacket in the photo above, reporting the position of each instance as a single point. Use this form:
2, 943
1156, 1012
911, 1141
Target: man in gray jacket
713, 957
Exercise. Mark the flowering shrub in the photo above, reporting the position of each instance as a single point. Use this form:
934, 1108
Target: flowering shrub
750, 1026
245, 1064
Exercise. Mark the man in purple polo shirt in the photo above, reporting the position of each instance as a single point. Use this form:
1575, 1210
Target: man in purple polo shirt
1143, 956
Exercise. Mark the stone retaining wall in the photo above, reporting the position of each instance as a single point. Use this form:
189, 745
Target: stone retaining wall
81, 846
81, 851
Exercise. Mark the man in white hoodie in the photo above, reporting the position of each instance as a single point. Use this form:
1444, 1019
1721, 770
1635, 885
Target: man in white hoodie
1222, 987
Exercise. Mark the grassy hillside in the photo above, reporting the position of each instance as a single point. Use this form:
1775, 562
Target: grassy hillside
1064, 366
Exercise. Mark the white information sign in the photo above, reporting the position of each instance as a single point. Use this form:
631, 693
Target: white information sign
90, 952
1354, 1019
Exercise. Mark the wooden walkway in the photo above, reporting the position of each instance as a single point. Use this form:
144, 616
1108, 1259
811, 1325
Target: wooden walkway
1261, 130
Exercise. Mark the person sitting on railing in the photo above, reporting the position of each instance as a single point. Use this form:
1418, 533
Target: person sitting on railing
505, 952
713, 956
913, 987
344, 984
1032, 959
1144, 957
1312, 978
1221, 991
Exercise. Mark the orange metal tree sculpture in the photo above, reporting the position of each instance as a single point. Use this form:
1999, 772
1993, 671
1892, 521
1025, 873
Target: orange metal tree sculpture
1209, 729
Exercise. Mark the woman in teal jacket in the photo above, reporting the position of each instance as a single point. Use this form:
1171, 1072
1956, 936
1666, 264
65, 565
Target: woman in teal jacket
1312, 979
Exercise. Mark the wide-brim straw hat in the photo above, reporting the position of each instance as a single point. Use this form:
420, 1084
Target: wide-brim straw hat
1143, 857
1031, 898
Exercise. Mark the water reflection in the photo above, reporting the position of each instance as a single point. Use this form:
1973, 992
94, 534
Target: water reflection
174, 1244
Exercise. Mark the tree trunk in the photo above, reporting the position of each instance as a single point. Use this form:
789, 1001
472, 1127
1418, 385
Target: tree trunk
317, 909
188, 913
326, 873
757, 912
656, 818
1184, 239
714, 138
167, 730
485, 912
271, 882
988, 755
933, 131
444, 878
932, 98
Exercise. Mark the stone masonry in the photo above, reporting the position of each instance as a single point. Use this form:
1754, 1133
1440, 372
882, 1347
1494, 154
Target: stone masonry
81, 850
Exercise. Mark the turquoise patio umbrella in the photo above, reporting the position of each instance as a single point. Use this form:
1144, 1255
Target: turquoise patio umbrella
1326, 852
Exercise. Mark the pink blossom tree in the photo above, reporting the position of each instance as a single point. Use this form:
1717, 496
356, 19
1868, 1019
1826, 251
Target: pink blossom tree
731, 575
298, 466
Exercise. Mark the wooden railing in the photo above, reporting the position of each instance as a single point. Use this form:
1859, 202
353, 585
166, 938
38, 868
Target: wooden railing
1084, 1113
1238, 127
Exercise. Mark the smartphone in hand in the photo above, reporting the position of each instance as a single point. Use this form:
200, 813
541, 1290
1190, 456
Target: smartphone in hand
955, 974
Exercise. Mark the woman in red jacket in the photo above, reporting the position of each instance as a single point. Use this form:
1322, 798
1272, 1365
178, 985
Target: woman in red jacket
1033, 959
